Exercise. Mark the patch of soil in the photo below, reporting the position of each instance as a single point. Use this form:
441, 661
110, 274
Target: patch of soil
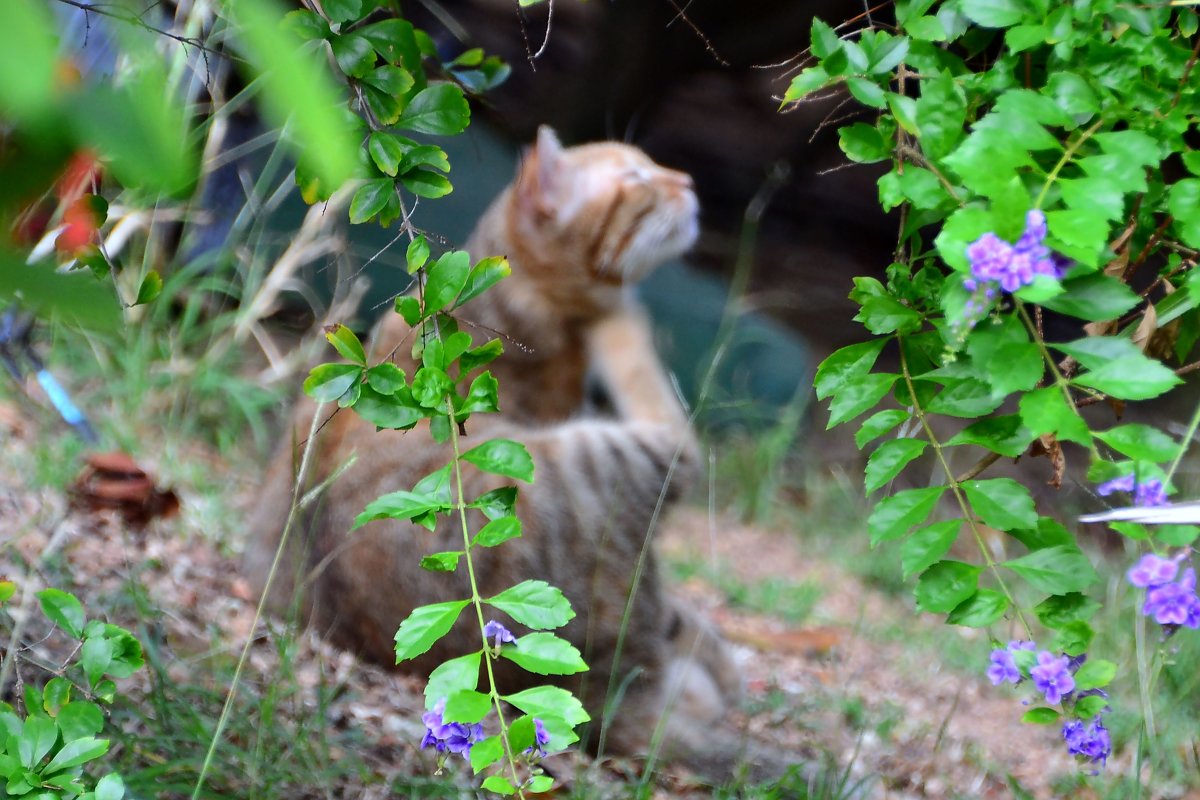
902, 720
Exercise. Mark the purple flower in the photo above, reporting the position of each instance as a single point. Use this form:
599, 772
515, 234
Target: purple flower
540, 739
1125, 483
1150, 493
1173, 604
1052, 676
995, 261
1152, 570
448, 737
500, 633
1092, 741
1003, 668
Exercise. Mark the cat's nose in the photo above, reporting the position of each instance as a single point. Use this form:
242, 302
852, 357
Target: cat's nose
680, 180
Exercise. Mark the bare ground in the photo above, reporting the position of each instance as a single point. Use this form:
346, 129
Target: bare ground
861, 680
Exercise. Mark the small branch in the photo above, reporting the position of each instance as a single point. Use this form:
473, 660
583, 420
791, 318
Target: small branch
980, 466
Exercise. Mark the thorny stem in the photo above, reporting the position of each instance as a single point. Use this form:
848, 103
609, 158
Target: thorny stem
461, 506
956, 488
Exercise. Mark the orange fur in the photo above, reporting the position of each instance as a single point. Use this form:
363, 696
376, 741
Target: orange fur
578, 225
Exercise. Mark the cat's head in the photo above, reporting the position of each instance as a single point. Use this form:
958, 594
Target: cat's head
599, 216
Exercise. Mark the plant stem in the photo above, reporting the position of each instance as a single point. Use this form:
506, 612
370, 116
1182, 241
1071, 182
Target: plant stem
461, 506
956, 488
1066, 158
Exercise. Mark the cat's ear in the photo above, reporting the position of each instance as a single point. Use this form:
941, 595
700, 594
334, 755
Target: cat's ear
540, 172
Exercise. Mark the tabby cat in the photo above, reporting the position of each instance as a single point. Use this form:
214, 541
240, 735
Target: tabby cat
579, 226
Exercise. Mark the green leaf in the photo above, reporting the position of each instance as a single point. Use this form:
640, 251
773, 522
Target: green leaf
549, 701
1117, 368
445, 278
28, 57
354, 54
1055, 570
878, 424
522, 734
430, 386
1062, 609
882, 314
1096, 196
440, 109
867, 92
1140, 442
327, 382
846, 365
497, 503
994, 13
37, 738
1001, 503
979, 610
395, 40
545, 654
78, 719
927, 545
539, 784
484, 354
416, 256
1090, 706
55, 694
63, 610
110, 787
1049, 532
456, 675
7, 590
386, 378
402, 504
1072, 93
893, 516
391, 80
442, 562
859, 395
370, 198
342, 10
498, 531
409, 308
395, 411
297, 90
486, 752
864, 143
889, 459
425, 155
149, 289
426, 183
487, 273
498, 784
1073, 638
1094, 674
535, 604
75, 753
1094, 297
1177, 535
946, 584
481, 397
1005, 435
306, 24
386, 151
467, 705
968, 398
424, 626
1184, 205
1083, 232
1046, 411
808, 81
502, 457
1041, 716
347, 344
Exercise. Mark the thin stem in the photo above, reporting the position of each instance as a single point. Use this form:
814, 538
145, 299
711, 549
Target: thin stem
1186, 443
223, 720
1066, 159
461, 506
956, 488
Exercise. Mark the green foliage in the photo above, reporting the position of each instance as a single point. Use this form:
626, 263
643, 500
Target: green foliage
986, 111
48, 748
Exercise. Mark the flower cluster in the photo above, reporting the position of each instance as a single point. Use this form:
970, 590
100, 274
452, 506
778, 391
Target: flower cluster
1054, 676
995, 261
1169, 602
448, 737
1089, 741
1150, 492
999, 266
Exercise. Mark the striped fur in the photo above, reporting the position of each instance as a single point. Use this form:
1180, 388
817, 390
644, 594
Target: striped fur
578, 225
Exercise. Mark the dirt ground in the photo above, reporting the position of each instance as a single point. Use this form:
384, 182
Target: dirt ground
857, 681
